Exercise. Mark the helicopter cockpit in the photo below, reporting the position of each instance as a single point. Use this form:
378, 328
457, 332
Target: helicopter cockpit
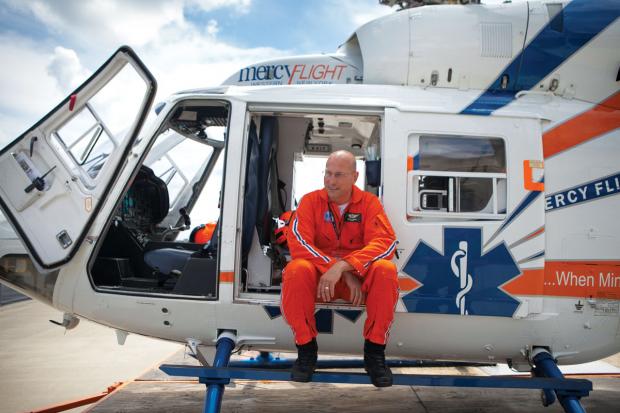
144, 250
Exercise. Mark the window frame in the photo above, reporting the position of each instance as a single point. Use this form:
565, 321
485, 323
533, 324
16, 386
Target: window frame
414, 194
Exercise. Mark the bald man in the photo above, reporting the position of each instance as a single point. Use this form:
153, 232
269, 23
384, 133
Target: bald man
341, 243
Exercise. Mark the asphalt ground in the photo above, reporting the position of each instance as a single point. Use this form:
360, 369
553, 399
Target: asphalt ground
42, 365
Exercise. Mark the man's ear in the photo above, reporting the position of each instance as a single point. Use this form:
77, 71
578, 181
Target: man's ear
357, 174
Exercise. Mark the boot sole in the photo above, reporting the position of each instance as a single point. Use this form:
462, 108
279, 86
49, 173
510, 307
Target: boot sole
382, 384
301, 379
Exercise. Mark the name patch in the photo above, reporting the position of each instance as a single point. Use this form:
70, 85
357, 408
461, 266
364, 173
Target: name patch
351, 217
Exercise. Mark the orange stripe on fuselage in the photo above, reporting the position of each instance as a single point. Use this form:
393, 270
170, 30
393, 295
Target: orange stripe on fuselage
597, 279
227, 276
529, 283
407, 284
535, 233
601, 119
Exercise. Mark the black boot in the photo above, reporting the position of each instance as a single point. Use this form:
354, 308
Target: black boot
374, 363
306, 362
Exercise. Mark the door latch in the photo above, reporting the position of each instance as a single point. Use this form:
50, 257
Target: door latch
64, 239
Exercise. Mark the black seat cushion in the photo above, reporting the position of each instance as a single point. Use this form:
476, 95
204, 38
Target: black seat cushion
165, 260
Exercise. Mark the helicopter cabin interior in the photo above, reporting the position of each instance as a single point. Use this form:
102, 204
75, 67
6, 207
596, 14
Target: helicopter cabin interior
156, 242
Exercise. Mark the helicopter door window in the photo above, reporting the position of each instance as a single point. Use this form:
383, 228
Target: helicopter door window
87, 140
456, 176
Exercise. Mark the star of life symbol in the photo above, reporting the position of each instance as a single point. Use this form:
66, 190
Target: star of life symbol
459, 269
324, 317
460, 279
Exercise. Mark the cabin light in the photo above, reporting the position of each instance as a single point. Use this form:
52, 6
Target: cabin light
504, 82
554, 85
345, 124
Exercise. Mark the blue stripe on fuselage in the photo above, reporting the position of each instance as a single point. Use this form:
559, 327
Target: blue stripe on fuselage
580, 20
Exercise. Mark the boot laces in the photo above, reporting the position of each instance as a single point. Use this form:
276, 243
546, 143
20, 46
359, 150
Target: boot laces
377, 361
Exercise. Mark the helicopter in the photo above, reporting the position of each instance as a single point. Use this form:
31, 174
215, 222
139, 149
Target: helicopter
494, 152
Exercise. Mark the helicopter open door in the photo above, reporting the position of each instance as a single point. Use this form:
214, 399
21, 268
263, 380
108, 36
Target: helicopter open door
55, 176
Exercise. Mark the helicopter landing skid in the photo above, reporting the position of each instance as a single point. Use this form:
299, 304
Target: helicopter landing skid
547, 378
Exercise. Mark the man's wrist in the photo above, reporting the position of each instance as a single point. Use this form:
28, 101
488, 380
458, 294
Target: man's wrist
344, 265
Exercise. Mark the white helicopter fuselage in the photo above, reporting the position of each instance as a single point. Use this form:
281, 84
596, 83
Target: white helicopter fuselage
494, 260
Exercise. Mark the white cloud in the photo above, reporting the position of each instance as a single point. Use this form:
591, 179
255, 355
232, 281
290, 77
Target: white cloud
358, 13
109, 23
212, 27
365, 14
66, 68
240, 6
189, 58
38, 74
27, 90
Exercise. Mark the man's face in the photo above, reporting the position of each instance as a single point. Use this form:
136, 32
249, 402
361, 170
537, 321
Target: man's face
339, 179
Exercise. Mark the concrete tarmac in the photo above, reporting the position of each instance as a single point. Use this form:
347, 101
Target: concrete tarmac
41, 364
154, 392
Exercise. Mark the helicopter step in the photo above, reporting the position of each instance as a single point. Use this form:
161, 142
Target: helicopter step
547, 378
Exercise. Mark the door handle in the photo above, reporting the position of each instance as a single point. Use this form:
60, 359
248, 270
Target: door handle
38, 182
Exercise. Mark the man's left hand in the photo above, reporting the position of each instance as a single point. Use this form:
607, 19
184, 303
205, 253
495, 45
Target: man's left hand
355, 286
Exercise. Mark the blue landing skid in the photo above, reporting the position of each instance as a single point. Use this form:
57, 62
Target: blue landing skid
265, 360
568, 390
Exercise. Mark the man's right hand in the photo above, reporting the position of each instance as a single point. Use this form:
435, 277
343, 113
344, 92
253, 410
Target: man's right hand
355, 286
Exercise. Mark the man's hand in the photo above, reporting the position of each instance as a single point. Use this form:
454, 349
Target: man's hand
327, 283
355, 286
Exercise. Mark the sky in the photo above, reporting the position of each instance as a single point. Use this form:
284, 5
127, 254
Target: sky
50, 47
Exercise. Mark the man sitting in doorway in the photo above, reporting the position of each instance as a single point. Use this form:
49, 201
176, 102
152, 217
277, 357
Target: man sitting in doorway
341, 243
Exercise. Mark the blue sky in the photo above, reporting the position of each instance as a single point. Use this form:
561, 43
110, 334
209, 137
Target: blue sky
50, 47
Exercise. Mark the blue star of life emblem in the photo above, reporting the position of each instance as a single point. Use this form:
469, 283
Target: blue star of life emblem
324, 317
461, 280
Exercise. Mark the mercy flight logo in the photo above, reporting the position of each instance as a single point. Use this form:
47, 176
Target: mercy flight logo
461, 280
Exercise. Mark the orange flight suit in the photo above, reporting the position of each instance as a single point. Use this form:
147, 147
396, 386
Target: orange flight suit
318, 237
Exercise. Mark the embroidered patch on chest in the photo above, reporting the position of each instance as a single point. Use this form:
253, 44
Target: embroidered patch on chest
327, 217
351, 217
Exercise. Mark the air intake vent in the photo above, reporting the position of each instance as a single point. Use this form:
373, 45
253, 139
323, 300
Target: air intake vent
496, 40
